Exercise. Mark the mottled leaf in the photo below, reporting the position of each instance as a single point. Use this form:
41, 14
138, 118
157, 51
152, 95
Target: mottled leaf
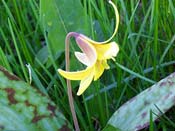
24, 108
135, 114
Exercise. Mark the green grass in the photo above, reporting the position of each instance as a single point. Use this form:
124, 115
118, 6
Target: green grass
146, 37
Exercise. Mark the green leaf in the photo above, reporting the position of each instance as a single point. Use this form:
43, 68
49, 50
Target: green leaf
4, 61
135, 114
23, 107
58, 17
42, 55
110, 128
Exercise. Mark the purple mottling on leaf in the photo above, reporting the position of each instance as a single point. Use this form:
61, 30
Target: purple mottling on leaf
144, 114
168, 95
51, 108
132, 99
64, 128
11, 95
146, 103
36, 117
139, 127
163, 84
173, 99
9, 75
171, 83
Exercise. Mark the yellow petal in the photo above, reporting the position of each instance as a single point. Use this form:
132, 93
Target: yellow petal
99, 69
76, 75
106, 51
115, 31
85, 83
105, 64
112, 51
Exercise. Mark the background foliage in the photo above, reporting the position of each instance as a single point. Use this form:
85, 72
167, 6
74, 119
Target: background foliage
33, 32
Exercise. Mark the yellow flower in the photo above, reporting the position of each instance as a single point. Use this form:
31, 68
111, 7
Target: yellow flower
94, 55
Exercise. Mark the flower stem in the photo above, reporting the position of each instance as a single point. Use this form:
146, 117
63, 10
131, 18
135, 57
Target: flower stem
70, 97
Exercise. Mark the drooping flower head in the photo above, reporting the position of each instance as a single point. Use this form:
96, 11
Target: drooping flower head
94, 55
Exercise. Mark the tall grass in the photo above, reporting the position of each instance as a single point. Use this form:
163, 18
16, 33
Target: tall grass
146, 37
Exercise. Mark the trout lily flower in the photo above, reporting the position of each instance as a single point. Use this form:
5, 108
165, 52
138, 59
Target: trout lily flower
94, 55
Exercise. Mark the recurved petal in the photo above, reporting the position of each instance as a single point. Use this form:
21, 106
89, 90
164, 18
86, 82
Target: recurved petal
116, 27
75, 75
85, 83
87, 49
106, 51
82, 58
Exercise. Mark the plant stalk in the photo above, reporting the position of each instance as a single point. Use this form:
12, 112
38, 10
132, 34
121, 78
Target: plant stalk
69, 91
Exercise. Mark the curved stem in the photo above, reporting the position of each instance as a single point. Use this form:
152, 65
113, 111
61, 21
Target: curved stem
70, 97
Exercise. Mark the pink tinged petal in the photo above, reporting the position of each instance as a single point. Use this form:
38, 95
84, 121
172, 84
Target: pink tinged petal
84, 84
87, 49
82, 58
75, 75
